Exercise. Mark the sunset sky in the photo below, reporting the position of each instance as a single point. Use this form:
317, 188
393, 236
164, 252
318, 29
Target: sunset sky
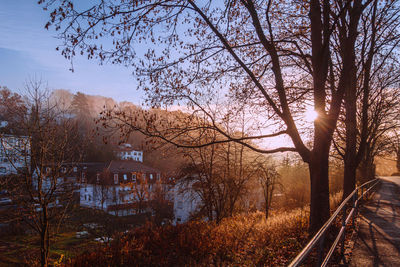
28, 50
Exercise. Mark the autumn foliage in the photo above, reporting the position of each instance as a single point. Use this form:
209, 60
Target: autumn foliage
241, 240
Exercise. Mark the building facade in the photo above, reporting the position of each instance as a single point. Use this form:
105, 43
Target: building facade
127, 152
122, 187
15, 153
186, 201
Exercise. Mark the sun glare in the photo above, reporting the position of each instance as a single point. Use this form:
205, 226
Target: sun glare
310, 115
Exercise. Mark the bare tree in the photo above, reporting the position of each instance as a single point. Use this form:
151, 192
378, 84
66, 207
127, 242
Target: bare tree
102, 189
375, 56
42, 195
141, 193
220, 175
160, 203
268, 178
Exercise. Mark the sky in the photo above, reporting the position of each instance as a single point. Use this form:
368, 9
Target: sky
27, 50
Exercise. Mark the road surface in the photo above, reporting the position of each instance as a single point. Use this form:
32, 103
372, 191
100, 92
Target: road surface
378, 238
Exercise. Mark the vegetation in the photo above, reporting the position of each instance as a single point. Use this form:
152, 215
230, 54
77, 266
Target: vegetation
245, 239
241, 240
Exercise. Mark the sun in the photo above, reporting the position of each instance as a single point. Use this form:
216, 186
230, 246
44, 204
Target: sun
310, 115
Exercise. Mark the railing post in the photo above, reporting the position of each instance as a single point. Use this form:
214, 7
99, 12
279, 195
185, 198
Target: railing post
362, 193
355, 196
344, 233
321, 250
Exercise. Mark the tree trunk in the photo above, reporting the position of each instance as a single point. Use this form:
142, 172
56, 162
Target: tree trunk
367, 169
350, 158
351, 161
268, 202
349, 178
44, 240
319, 177
398, 159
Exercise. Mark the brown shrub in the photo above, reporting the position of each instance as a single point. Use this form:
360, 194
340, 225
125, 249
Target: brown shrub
240, 240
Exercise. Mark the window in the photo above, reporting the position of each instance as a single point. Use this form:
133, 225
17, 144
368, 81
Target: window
98, 177
178, 219
85, 197
151, 176
133, 177
116, 178
75, 169
158, 176
63, 170
90, 198
48, 169
144, 176
125, 177
3, 169
134, 153
83, 177
180, 204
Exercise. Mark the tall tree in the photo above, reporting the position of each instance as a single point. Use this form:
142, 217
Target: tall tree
376, 53
42, 196
270, 55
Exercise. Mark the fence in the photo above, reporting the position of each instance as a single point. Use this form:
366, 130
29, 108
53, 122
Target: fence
319, 237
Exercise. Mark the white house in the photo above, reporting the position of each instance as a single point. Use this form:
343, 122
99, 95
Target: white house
186, 201
15, 153
126, 152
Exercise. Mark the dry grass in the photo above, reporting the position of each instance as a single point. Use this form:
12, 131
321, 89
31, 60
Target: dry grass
242, 240
245, 240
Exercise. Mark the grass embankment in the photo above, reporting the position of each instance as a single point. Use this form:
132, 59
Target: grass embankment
241, 240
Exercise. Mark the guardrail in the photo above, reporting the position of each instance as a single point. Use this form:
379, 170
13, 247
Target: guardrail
319, 237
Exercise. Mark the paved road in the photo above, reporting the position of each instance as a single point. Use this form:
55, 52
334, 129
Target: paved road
378, 237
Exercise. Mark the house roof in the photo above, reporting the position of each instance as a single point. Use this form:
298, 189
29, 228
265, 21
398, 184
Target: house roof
94, 166
89, 166
127, 148
130, 166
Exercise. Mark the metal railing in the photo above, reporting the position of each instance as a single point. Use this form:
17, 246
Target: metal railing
319, 237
